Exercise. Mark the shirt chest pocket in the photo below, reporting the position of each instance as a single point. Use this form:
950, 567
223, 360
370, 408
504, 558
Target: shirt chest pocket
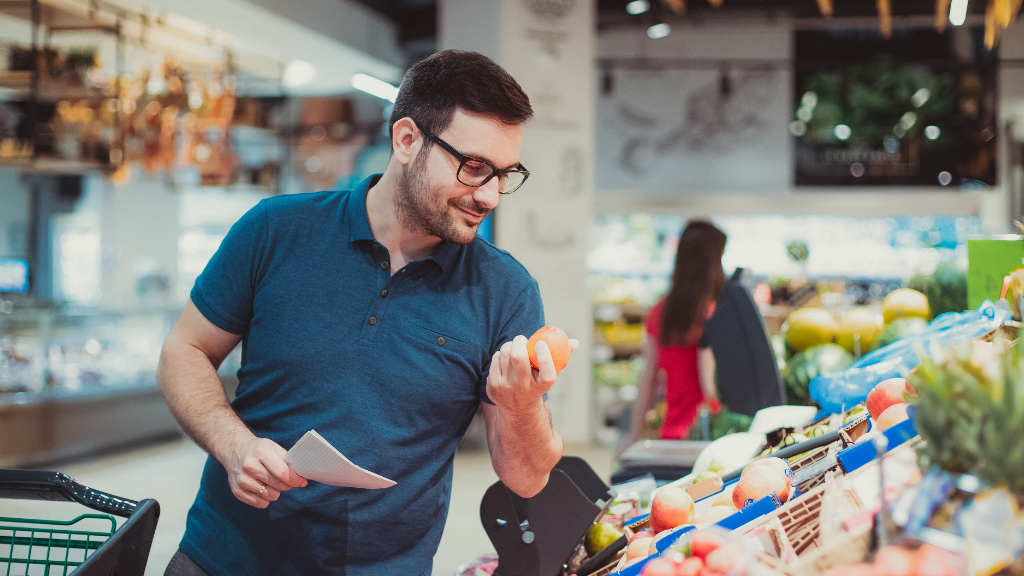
442, 342
452, 365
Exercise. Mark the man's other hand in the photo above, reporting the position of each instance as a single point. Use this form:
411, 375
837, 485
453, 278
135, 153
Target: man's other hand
257, 472
513, 384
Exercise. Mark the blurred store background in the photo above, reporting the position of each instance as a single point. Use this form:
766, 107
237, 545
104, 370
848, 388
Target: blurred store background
845, 151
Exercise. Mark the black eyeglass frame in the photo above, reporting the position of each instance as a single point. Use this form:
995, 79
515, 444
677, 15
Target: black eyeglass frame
462, 158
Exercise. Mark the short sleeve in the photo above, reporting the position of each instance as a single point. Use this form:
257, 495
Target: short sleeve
524, 317
224, 292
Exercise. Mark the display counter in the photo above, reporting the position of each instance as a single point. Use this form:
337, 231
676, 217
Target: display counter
79, 382
44, 427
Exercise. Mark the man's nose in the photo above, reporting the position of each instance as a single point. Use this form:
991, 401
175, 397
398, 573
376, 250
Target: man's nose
487, 195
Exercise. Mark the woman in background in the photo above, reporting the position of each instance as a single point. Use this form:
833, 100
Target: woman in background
674, 328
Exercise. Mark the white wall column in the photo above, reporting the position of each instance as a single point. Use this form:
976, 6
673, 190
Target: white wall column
548, 46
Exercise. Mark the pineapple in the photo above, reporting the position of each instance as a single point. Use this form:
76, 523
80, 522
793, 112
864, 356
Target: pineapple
970, 411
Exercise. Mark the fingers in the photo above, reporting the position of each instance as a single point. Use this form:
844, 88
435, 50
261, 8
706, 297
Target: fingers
519, 359
546, 372
574, 345
254, 493
260, 474
505, 356
282, 476
494, 373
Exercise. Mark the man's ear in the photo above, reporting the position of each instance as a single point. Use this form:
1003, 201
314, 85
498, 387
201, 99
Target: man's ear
406, 140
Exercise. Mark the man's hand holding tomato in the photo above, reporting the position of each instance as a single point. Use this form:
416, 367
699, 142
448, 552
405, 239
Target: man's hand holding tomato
522, 370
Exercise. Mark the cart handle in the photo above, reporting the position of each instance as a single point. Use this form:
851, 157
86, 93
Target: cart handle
42, 485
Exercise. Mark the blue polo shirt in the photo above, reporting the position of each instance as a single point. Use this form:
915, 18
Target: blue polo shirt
389, 369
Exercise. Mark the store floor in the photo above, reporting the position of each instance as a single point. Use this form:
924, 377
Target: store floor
170, 473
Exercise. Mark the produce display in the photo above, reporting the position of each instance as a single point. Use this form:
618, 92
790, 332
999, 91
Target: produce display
809, 327
971, 411
816, 343
960, 479
905, 303
803, 367
901, 328
858, 330
923, 476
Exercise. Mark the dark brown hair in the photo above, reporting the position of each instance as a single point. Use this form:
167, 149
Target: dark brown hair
697, 281
436, 86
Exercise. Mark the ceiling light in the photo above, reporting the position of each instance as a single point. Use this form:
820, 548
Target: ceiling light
908, 120
920, 97
638, 6
298, 73
932, 132
378, 88
958, 12
843, 131
659, 30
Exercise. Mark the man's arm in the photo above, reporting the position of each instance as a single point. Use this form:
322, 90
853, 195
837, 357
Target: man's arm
521, 437
187, 375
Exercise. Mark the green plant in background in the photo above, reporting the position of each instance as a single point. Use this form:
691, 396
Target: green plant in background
722, 424
946, 289
877, 97
970, 411
798, 251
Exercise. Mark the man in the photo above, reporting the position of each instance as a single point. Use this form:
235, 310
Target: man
378, 318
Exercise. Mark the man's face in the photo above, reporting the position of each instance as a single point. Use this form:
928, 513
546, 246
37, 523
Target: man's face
433, 201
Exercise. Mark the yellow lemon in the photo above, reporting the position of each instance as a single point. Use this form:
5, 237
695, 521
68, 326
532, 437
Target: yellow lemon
905, 303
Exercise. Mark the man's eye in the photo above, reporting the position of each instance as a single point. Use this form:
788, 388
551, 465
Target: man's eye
476, 169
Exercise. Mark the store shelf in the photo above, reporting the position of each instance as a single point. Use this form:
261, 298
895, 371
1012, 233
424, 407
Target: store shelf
626, 351
19, 85
59, 16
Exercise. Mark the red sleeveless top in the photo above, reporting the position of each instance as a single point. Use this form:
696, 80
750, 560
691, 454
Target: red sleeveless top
682, 381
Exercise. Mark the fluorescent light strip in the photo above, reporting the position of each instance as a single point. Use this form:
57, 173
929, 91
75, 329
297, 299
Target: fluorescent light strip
659, 31
958, 12
638, 7
378, 88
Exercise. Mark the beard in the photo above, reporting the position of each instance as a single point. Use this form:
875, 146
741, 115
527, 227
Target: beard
423, 208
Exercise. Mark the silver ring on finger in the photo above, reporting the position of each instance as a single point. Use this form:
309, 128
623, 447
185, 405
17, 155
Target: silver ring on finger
263, 490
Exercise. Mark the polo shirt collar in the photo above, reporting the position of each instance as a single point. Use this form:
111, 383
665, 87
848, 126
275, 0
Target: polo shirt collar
444, 254
359, 219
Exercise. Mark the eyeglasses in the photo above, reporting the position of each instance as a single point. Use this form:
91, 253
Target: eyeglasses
475, 172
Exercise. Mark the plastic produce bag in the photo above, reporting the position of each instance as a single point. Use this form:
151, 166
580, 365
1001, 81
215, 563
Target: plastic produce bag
851, 386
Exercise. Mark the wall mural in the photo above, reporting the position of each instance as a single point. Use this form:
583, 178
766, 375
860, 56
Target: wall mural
693, 130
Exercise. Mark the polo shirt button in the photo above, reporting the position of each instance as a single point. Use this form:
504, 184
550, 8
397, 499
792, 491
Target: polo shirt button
440, 340
373, 321
384, 293
384, 265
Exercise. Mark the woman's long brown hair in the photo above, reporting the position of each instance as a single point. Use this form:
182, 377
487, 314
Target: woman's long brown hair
697, 281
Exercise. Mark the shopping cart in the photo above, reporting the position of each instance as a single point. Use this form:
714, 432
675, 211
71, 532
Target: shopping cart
89, 545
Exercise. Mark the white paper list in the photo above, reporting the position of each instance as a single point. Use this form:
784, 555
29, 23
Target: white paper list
314, 458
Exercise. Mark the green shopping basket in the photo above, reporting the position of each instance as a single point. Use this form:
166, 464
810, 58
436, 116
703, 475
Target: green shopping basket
88, 545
